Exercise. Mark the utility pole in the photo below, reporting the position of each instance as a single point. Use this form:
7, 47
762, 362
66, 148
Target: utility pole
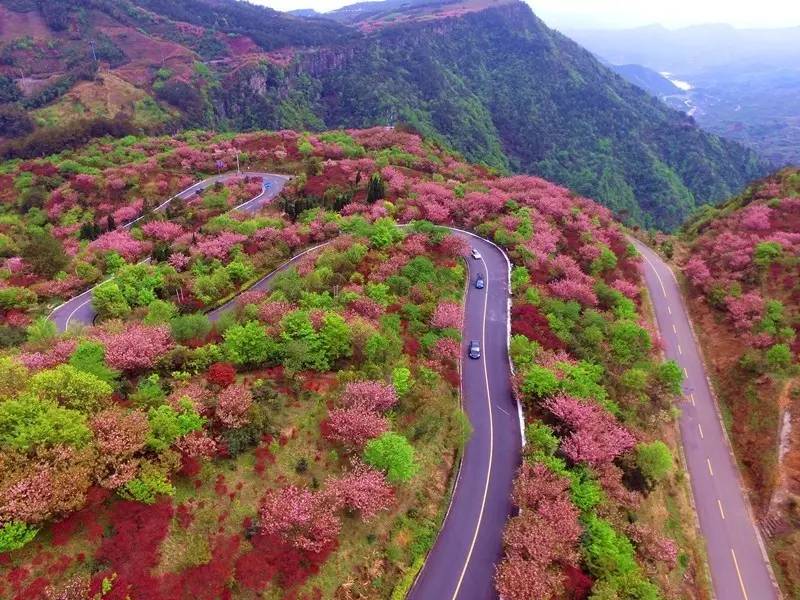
94, 52
238, 172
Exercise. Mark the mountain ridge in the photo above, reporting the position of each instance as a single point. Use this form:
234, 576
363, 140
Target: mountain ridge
489, 79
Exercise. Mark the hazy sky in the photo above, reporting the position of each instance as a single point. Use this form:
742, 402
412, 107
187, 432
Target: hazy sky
566, 14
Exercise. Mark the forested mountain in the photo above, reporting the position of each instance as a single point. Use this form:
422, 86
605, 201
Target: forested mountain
487, 78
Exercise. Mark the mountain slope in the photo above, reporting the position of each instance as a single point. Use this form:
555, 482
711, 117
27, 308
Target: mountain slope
485, 77
647, 79
503, 88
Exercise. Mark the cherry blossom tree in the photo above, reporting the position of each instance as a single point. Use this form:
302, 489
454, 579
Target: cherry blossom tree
745, 310
652, 547
570, 289
446, 349
596, 437
218, 246
233, 404
363, 489
119, 432
119, 435
447, 314
520, 579
631, 290
353, 427
136, 347
58, 354
697, 271
371, 395
163, 231
541, 539
121, 242
756, 217
300, 517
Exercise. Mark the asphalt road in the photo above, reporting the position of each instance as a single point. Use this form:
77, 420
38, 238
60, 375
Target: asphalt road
79, 309
461, 564
735, 552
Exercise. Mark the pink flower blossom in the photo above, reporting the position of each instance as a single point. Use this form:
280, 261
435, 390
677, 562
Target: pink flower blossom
121, 242
363, 489
631, 290
570, 289
233, 404
446, 349
300, 517
164, 231
447, 314
354, 426
58, 354
745, 310
15, 264
756, 217
178, 261
372, 395
219, 246
137, 347
596, 437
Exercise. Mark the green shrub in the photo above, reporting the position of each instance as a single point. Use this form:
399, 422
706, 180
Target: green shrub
402, 380
654, 460
778, 357
540, 438
14, 535
392, 454
147, 486
90, 357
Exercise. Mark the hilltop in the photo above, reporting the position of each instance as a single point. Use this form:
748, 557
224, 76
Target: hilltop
487, 78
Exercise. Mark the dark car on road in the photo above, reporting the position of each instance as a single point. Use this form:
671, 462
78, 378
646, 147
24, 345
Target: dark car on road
474, 349
479, 282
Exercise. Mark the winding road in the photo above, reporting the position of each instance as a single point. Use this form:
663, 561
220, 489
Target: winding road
79, 308
739, 568
462, 561
461, 564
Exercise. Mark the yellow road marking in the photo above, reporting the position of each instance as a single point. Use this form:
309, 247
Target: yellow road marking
722, 512
739, 574
710, 470
491, 439
701, 430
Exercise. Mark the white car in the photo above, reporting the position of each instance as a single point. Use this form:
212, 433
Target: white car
475, 254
